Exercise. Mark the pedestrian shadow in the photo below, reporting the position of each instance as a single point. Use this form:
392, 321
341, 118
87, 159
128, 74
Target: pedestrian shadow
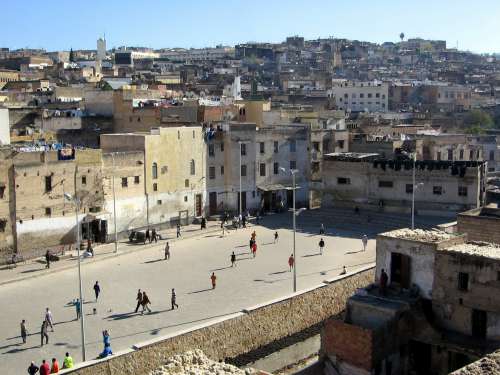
34, 270
201, 291
153, 261
241, 246
212, 235
355, 252
220, 269
64, 322
122, 316
311, 255
278, 272
19, 350
268, 243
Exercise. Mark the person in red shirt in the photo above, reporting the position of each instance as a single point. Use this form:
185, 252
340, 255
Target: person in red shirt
213, 278
254, 249
55, 366
291, 261
44, 368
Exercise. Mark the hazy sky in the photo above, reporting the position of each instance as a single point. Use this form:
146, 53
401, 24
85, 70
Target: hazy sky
59, 25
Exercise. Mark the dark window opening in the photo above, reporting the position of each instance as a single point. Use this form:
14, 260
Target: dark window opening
463, 281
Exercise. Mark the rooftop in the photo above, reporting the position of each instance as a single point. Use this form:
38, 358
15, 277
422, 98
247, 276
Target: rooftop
420, 235
480, 249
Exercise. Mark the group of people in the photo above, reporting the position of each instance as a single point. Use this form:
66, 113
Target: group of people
151, 236
46, 369
142, 301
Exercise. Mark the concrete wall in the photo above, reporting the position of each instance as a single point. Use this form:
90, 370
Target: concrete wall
479, 228
98, 102
242, 333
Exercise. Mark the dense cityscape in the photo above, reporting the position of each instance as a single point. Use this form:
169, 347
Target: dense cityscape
324, 206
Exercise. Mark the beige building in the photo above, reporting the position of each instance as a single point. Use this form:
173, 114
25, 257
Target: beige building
135, 110
8, 76
174, 171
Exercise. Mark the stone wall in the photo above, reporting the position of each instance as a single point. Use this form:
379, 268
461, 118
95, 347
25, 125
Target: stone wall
479, 228
246, 331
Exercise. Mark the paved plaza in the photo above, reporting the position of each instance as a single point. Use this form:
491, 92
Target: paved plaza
193, 259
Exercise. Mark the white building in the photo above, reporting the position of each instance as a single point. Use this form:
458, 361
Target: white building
4, 127
356, 96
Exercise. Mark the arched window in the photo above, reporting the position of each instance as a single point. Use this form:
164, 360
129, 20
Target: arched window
155, 171
192, 167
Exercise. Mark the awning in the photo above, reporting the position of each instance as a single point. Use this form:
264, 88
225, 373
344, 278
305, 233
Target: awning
275, 187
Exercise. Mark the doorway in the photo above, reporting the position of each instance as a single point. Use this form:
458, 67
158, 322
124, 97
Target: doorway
198, 204
243, 201
212, 203
479, 323
289, 198
400, 270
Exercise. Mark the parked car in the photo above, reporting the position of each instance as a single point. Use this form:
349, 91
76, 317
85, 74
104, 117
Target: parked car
137, 236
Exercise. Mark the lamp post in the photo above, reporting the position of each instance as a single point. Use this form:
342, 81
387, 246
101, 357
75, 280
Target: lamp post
77, 202
239, 197
295, 213
415, 186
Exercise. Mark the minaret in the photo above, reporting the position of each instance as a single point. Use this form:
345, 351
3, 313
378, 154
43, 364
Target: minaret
337, 57
100, 55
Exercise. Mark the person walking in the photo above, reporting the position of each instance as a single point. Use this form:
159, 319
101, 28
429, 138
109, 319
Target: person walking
145, 302
32, 369
384, 278
178, 230
107, 344
148, 235
139, 300
203, 223
68, 361
78, 308
47, 259
54, 369
254, 249
222, 227
233, 259
276, 237
167, 251
213, 278
321, 229
43, 333
154, 235
291, 262
250, 243
321, 246
244, 221
173, 299
97, 290
24, 331
254, 236
365, 241
49, 319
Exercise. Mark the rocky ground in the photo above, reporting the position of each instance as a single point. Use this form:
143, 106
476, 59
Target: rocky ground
197, 363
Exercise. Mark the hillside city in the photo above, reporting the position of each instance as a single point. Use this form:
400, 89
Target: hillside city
330, 207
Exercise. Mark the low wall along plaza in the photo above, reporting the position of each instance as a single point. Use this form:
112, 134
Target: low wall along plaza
240, 333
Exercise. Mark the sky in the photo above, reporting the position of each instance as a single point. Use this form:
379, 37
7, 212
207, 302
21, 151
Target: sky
61, 25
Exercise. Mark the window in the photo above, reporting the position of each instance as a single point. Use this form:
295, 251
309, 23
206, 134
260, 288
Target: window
222, 147
316, 146
315, 167
276, 147
276, 168
492, 155
192, 167
211, 173
461, 154
243, 149
243, 170
478, 154
154, 171
450, 154
437, 190
462, 191
498, 275
343, 181
222, 170
293, 164
262, 169
463, 281
48, 184
385, 184
124, 182
293, 145
377, 95
438, 155
48, 211
361, 95
137, 179
409, 188
155, 187
159, 202
84, 180
211, 150
185, 198
471, 155
186, 182
262, 147
2, 191
3, 224
369, 95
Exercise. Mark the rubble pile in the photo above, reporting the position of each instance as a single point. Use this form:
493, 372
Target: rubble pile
197, 363
420, 235
483, 249
489, 365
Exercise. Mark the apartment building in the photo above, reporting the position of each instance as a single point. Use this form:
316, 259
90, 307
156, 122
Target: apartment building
355, 96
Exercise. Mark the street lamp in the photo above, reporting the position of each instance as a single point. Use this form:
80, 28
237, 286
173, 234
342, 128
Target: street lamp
76, 202
293, 172
114, 200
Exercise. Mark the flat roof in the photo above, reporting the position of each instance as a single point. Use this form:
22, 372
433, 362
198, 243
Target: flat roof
480, 249
422, 235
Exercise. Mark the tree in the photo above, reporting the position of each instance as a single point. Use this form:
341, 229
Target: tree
71, 56
477, 122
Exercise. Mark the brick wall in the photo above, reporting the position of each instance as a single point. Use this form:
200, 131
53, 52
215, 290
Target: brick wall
254, 328
479, 228
349, 343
